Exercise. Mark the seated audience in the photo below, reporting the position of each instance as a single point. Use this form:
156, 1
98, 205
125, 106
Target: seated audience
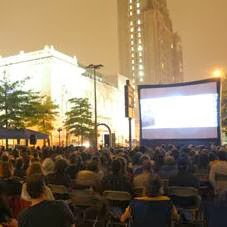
116, 181
152, 209
141, 180
169, 168
35, 168
218, 167
43, 212
184, 177
59, 177
5, 212
48, 166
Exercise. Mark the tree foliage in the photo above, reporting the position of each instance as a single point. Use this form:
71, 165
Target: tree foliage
79, 118
15, 103
43, 114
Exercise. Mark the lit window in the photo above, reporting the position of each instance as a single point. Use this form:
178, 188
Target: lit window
162, 65
141, 79
138, 11
140, 48
133, 68
131, 23
172, 46
130, 7
139, 22
140, 60
130, 1
130, 13
132, 49
141, 73
137, 4
140, 54
133, 55
133, 61
131, 36
139, 29
141, 67
139, 41
139, 34
131, 29
132, 42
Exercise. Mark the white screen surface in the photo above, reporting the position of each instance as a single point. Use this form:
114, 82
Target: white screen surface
181, 112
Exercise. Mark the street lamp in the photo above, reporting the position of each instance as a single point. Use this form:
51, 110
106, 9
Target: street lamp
95, 67
59, 136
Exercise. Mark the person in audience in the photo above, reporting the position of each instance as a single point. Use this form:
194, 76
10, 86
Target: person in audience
218, 167
89, 178
44, 212
48, 166
59, 177
35, 168
151, 209
169, 168
184, 177
6, 218
140, 181
75, 165
12, 184
116, 181
19, 169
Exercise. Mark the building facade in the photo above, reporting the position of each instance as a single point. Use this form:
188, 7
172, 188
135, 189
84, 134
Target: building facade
149, 50
59, 76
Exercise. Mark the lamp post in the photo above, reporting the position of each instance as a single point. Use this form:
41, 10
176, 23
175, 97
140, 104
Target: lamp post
94, 68
59, 136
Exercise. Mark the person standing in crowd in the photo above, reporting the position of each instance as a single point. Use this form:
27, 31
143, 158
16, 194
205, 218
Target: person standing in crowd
44, 212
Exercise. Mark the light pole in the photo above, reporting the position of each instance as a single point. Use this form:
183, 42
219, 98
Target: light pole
95, 67
59, 136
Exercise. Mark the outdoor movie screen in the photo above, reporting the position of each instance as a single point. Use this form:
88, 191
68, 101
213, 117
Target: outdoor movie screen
186, 111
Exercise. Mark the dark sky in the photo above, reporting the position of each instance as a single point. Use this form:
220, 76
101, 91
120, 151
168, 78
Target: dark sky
88, 29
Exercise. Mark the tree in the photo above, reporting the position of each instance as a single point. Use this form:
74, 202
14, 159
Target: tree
14, 103
43, 114
79, 118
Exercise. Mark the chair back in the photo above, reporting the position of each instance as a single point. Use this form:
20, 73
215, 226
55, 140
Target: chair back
183, 191
155, 213
85, 198
58, 189
117, 196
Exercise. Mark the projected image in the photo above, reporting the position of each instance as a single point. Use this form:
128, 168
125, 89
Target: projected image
179, 112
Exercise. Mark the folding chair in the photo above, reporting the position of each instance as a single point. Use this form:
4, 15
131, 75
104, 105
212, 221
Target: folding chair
88, 207
117, 201
60, 192
187, 201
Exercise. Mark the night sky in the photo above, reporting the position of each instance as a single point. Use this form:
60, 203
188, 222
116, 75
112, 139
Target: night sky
88, 29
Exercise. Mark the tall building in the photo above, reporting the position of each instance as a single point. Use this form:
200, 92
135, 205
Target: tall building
60, 76
149, 50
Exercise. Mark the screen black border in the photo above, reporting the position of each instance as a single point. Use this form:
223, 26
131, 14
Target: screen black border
149, 142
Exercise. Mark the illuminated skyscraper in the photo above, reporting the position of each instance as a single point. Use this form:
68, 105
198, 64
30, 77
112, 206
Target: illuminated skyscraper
149, 50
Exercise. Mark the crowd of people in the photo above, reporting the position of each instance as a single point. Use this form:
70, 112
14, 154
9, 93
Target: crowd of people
26, 174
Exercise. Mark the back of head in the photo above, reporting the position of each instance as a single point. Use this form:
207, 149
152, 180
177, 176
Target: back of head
35, 186
48, 166
92, 165
5, 170
60, 166
182, 165
116, 166
146, 165
35, 168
